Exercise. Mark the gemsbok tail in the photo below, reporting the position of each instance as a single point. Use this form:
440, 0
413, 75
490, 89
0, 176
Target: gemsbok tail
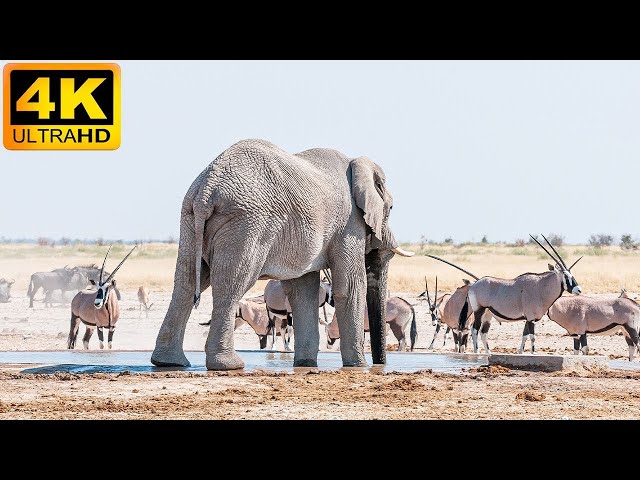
464, 313
413, 333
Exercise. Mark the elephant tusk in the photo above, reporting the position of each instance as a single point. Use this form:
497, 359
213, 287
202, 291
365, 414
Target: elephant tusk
402, 252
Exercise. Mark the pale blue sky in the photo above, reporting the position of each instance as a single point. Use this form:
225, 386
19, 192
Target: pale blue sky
470, 148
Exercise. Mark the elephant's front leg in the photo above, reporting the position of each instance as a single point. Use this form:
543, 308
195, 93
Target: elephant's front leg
169, 350
350, 298
303, 296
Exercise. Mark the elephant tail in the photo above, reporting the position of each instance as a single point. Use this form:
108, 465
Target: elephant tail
413, 333
199, 236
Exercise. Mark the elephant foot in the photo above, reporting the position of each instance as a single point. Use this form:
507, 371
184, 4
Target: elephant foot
355, 364
224, 361
164, 358
305, 362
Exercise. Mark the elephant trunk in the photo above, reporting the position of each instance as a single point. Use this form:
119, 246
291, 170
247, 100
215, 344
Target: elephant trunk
377, 269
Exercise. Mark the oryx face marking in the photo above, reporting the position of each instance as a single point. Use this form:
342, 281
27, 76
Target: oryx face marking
435, 315
570, 283
102, 295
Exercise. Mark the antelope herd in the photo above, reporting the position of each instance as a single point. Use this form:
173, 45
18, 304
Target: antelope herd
470, 308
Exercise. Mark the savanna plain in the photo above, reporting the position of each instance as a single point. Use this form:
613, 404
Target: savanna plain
485, 392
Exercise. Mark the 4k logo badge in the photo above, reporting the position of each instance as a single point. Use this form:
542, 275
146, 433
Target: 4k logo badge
61, 106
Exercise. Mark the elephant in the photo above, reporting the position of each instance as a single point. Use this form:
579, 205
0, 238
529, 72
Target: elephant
259, 212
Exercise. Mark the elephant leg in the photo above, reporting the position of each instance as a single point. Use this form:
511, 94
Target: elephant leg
168, 350
349, 295
303, 296
234, 275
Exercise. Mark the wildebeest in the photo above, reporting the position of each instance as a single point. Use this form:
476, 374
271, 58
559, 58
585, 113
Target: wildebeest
143, 299
582, 315
5, 290
96, 308
63, 279
87, 274
400, 313
279, 309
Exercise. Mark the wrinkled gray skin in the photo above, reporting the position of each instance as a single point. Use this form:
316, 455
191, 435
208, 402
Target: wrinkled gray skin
258, 212
5, 290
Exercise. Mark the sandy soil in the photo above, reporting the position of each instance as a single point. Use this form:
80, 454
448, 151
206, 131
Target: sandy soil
487, 392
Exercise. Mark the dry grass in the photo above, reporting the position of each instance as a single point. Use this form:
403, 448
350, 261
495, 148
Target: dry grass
603, 270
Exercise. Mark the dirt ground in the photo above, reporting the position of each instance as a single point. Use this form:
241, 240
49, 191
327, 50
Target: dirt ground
478, 393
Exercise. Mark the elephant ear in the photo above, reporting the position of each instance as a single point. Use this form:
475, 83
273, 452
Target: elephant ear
367, 188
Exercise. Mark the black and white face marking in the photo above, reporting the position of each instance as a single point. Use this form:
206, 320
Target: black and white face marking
435, 315
570, 283
102, 295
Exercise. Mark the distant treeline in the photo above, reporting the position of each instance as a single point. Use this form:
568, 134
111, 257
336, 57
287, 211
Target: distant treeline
64, 241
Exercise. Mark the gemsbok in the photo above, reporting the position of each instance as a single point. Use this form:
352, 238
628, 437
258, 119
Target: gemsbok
253, 310
527, 297
400, 314
96, 308
446, 310
582, 315
279, 309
